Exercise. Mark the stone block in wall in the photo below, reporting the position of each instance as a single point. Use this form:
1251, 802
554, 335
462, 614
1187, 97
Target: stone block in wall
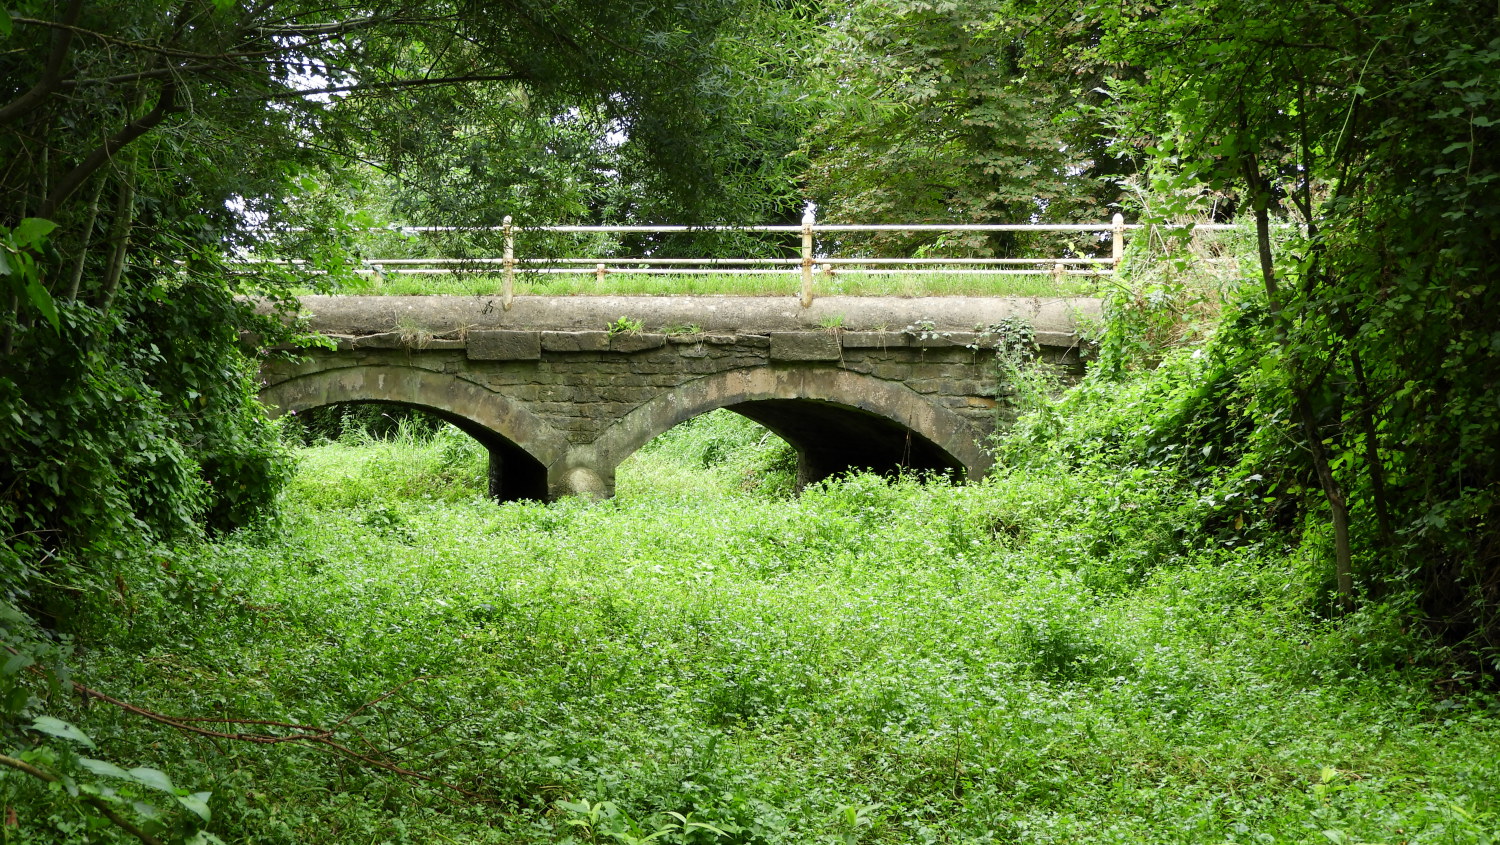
929, 340
741, 361
971, 387
628, 343
805, 346
504, 345
1063, 340
556, 393
701, 366
575, 341
873, 340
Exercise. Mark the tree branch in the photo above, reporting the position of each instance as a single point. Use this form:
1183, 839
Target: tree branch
97, 803
165, 104
62, 40
390, 85
305, 734
320, 30
142, 46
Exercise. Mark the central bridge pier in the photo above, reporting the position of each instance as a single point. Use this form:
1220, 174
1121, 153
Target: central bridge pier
561, 390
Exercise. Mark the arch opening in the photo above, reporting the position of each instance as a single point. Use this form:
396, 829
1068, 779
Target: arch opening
512, 473
521, 446
836, 420
713, 453
831, 439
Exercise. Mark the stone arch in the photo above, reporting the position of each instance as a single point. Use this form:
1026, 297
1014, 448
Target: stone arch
835, 419
522, 447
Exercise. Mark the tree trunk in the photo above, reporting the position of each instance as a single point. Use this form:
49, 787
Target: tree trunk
1337, 503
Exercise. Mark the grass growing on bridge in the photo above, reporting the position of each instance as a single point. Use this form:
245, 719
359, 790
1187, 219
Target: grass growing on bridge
785, 284
1049, 656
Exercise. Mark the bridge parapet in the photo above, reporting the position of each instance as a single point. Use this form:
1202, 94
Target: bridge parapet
560, 400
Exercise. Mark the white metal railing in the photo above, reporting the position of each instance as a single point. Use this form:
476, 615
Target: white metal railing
808, 265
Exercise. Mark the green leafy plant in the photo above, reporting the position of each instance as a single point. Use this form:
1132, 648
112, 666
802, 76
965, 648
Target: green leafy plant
19, 250
625, 325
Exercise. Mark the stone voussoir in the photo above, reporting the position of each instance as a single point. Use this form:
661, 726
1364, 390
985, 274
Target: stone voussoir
805, 346
504, 345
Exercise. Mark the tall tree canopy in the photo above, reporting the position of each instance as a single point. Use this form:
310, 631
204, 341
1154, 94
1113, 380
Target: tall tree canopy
1372, 354
949, 112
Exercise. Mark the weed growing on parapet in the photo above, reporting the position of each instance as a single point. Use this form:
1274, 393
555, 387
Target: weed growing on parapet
625, 325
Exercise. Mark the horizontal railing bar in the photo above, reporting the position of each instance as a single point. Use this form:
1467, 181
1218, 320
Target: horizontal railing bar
792, 229
964, 261
832, 227
608, 262
782, 228
666, 271
962, 227
624, 262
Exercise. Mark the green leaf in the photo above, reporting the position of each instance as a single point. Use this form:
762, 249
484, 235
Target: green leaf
197, 804
103, 768
153, 778
146, 809
16, 663
31, 230
43, 302
5, 26
62, 730
5, 269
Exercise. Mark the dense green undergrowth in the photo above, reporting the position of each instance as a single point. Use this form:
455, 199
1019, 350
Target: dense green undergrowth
1088, 647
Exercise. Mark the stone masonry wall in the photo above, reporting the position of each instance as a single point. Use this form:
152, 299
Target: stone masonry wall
580, 382
560, 403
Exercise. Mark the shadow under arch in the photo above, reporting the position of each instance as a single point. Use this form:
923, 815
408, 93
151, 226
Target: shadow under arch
522, 447
835, 419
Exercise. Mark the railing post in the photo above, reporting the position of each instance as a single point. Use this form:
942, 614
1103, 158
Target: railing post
807, 259
1059, 271
1117, 241
508, 292
599, 274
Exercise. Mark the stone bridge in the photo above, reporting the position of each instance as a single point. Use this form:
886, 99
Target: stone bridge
560, 390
